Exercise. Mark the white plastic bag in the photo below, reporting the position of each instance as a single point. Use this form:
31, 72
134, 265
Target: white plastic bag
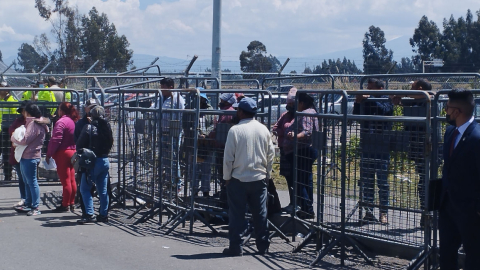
49, 166
18, 134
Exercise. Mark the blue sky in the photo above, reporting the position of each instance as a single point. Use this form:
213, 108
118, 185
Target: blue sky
293, 28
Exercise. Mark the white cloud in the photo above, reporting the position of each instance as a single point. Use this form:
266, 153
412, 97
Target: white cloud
287, 27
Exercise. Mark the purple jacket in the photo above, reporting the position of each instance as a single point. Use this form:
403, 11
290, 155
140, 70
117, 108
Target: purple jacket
36, 128
62, 136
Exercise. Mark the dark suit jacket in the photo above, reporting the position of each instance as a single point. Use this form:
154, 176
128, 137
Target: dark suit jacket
461, 172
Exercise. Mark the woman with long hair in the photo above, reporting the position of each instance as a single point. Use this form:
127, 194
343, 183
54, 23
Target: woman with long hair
98, 137
36, 128
62, 147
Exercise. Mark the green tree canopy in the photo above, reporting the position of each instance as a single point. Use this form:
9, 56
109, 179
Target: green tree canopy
376, 57
255, 59
30, 59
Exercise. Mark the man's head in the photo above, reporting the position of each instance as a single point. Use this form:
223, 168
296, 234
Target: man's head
3, 92
421, 84
165, 85
90, 104
97, 112
375, 84
51, 81
204, 101
460, 106
226, 100
247, 108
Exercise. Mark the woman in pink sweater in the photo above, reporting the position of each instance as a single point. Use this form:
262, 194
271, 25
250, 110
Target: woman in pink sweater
62, 147
36, 128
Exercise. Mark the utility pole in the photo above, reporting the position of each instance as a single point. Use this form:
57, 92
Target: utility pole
216, 42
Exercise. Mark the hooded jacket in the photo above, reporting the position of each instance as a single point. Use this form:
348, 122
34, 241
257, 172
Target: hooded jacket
36, 128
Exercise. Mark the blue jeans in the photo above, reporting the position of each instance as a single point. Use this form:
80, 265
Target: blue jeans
28, 167
99, 176
305, 159
255, 195
21, 183
204, 173
375, 164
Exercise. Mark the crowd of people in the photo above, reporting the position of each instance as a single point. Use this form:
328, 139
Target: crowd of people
24, 138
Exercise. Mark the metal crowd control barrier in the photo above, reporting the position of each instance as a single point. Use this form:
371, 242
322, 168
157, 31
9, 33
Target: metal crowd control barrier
437, 80
201, 155
9, 114
241, 83
389, 151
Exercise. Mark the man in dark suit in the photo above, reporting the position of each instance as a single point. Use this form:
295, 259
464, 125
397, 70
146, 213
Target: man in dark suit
459, 221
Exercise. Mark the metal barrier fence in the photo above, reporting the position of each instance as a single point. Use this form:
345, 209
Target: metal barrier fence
437, 80
10, 114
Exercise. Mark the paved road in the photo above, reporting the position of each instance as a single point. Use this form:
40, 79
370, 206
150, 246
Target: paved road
54, 241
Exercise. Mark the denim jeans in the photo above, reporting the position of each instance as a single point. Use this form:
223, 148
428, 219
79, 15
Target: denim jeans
204, 173
32, 190
375, 164
99, 176
255, 195
305, 159
21, 183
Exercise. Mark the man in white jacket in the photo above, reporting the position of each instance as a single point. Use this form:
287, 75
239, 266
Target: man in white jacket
247, 165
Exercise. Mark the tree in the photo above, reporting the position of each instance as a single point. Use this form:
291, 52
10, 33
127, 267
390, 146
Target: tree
376, 58
30, 59
426, 42
100, 41
338, 66
255, 59
405, 66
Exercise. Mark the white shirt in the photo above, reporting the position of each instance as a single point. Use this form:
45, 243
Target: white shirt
249, 152
176, 101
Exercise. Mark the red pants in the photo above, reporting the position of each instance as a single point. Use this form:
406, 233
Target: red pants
66, 172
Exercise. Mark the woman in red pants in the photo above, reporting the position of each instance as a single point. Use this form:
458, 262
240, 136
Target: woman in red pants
62, 147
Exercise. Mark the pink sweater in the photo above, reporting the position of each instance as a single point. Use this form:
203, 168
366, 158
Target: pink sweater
36, 128
62, 136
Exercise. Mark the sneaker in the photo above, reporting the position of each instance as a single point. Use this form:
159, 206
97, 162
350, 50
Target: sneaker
232, 253
87, 219
101, 218
20, 203
23, 209
34, 212
369, 217
72, 208
383, 218
290, 209
60, 209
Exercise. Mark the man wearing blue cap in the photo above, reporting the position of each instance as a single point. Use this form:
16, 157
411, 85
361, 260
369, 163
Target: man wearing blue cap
247, 165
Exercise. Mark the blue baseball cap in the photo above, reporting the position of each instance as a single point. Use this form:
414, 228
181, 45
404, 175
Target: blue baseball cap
247, 104
203, 95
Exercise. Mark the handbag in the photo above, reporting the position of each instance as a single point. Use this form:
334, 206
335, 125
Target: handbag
84, 157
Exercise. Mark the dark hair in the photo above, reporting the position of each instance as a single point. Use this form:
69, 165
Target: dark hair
105, 134
168, 82
307, 99
52, 80
378, 83
464, 99
69, 110
32, 109
424, 84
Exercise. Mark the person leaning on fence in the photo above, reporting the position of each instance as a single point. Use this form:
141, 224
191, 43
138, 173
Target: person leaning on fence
11, 159
36, 129
416, 151
5, 143
374, 143
306, 154
204, 156
98, 137
172, 131
79, 125
247, 166
62, 147
279, 129
226, 102
459, 214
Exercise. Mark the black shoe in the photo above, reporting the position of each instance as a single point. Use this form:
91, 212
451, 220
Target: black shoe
369, 217
101, 218
305, 215
72, 208
263, 251
229, 252
60, 209
87, 219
